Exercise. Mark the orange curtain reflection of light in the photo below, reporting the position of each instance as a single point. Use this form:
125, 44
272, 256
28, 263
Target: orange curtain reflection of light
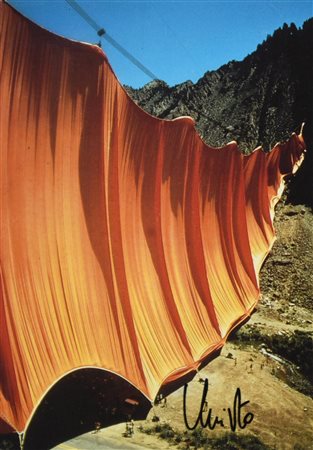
126, 242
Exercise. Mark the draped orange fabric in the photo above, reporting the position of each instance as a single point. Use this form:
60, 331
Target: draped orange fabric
126, 242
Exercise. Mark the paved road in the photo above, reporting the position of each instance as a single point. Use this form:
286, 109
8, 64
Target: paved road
99, 441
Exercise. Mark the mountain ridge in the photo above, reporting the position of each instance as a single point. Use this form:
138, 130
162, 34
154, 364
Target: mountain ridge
258, 101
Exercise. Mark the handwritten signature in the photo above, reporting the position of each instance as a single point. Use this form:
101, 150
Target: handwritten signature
235, 414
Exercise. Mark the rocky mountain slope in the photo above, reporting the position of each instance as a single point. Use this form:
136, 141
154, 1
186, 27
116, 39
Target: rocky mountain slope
258, 101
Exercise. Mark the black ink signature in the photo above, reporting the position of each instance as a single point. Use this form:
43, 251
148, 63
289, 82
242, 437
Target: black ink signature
234, 414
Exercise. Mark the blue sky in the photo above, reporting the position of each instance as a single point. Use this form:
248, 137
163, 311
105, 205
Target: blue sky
176, 40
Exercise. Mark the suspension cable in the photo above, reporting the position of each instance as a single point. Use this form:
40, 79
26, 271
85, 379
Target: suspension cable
102, 33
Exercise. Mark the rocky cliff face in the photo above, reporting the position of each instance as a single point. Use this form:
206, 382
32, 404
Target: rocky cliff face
258, 101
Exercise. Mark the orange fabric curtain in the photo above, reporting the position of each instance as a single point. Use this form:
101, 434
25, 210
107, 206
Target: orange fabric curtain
126, 242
